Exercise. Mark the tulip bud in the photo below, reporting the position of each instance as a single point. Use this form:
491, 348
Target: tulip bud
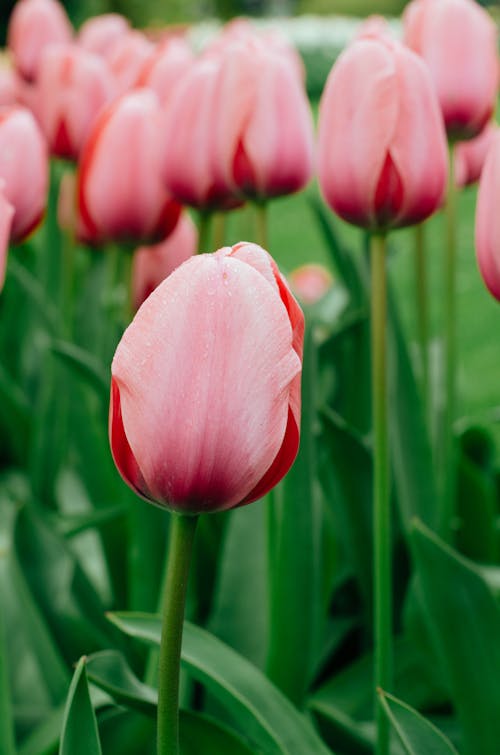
33, 25
382, 147
127, 58
73, 86
98, 34
458, 41
120, 194
488, 219
165, 67
470, 156
205, 391
23, 169
310, 282
152, 264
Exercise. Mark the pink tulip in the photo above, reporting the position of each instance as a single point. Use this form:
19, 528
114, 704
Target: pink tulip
6, 215
152, 264
310, 282
98, 34
488, 219
458, 41
168, 64
374, 26
23, 169
33, 25
382, 148
470, 155
120, 194
73, 87
205, 391
127, 57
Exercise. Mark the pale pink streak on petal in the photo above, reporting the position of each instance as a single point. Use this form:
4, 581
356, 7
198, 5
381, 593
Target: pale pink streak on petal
217, 411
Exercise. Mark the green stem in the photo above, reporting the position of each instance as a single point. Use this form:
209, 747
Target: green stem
381, 497
447, 456
204, 223
219, 230
261, 229
182, 530
422, 309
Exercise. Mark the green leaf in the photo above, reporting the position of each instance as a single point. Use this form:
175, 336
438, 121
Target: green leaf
34, 292
7, 743
257, 707
201, 734
109, 670
14, 414
417, 735
85, 365
294, 521
464, 617
79, 734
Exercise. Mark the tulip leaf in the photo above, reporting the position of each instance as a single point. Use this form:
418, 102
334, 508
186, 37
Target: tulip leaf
417, 735
34, 293
109, 670
79, 734
84, 364
293, 520
256, 706
202, 734
7, 743
464, 617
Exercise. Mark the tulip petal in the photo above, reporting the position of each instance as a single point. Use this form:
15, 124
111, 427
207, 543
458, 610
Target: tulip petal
488, 220
205, 404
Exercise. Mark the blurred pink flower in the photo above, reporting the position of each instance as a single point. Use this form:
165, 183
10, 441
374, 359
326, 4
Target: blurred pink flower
470, 155
99, 33
310, 282
488, 219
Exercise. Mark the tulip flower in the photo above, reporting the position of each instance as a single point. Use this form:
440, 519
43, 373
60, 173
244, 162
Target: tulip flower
382, 147
165, 67
205, 395
73, 86
152, 264
33, 25
98, 34
470, 155
488, 219
120, 194
127, 57
310, 282
458, 41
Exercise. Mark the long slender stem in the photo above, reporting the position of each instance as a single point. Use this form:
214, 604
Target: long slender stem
422, 309
381, 496
182, 531
219, 230
204, 223
447, 456
261, 230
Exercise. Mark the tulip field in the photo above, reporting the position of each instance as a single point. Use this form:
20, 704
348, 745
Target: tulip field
249, 386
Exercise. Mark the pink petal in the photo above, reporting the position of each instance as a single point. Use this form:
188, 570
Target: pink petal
6, 216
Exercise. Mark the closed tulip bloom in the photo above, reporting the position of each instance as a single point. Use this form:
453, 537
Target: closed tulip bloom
120, 194
33, 25
168, 64
152, 264
382, 152
73, 87
310, 283
470, 155
23, 170
205, 392
264, 139
458, 41
488, 219
127, 57
99, 33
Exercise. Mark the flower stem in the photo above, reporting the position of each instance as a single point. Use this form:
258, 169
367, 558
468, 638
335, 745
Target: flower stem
182, 531
381, 497
447, 456
261, 234
422, 310
219, 230
204, 223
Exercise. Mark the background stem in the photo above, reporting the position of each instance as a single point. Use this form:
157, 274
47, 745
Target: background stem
381, 497
261, 224
422, 310
182, 530
204, 223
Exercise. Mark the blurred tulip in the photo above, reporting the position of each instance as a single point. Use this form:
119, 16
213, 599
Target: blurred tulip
120, 194
382, 147
205, 392
458, 41
73, 86
469, 156
33, 25
163, 70
98, 34
310, 282
9, 87
6, 215
127, 58
488, 219
23, 169
152, 264
373, 26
